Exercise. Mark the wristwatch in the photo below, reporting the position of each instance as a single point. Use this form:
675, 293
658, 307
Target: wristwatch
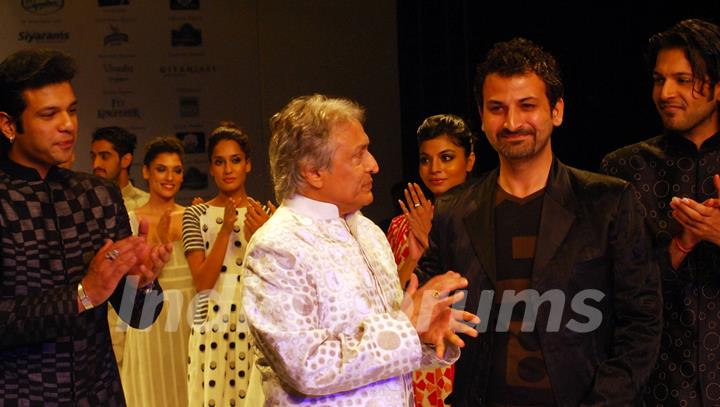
84, 299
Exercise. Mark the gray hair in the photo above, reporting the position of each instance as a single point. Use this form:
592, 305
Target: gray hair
300, 134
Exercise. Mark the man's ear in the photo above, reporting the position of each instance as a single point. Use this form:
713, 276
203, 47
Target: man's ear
125, 161
8, 127
557, 112
312, 176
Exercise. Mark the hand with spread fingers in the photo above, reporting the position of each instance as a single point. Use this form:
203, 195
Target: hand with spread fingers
256, 216
110, 264
151, 258
429, 309
419, 213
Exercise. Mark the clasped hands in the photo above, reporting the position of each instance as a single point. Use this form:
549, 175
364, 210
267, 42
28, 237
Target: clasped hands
429, 309
419, 214
132, 256
700, 221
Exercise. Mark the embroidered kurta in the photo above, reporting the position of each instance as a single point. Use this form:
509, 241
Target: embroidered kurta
322, 298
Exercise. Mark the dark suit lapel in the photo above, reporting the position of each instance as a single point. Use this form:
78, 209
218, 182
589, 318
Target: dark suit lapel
558, 215
479, 225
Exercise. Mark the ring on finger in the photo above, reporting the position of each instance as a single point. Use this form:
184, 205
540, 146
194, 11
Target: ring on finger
416, 204
112, 254
436, 294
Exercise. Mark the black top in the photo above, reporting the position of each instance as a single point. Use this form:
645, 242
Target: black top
518, 375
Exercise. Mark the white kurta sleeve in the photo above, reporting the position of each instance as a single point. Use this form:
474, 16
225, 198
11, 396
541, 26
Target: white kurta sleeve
309, 344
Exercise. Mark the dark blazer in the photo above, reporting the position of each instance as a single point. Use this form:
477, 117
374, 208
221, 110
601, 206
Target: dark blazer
591, 236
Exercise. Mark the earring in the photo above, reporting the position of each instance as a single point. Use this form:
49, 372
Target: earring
12, 139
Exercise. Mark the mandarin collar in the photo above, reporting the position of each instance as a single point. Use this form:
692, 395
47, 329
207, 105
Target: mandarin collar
28, 173
682, 144
311, 208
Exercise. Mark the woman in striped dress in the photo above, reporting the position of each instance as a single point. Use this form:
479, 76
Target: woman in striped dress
215, 234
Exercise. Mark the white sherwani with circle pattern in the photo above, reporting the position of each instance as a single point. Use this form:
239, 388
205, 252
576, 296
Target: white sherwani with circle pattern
322, 297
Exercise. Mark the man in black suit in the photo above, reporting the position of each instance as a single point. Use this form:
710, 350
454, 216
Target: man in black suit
557, 258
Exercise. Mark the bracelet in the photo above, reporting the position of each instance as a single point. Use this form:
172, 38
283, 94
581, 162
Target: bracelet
84, 299
680, 247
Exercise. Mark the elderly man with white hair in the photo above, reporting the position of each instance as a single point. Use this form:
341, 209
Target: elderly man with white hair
321, 290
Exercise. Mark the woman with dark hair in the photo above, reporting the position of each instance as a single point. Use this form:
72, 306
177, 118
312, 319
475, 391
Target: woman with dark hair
446, 149
215, 235
154, 369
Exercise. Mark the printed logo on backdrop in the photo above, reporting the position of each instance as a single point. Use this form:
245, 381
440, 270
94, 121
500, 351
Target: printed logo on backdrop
182, 70
189, 106
184, 4
42, 6
115, 38
186, 36
194, 178
119, 109
118, 72
110, 3
44, 37
193, 141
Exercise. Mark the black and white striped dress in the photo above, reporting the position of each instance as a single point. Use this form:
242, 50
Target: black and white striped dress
219, 356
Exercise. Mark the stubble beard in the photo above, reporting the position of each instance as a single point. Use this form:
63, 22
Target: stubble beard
514, 151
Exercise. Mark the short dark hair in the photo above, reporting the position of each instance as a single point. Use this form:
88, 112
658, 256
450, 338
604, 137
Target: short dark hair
447, 124
163, 144
122, 140
228, 131
699, 40
30, 69
521, 56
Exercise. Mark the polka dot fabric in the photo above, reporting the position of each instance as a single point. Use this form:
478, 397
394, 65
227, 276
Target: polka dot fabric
688, 368
323, 301
219, 352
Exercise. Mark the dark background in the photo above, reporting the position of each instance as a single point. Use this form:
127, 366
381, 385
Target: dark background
600, 47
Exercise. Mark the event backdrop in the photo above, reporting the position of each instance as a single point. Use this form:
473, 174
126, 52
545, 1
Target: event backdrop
179, 67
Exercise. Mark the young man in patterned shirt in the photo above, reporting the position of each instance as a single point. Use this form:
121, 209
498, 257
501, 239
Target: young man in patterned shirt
675, 174
65, 250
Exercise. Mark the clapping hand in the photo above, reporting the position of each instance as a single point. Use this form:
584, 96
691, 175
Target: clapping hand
256, 216
700, 221
419, 213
